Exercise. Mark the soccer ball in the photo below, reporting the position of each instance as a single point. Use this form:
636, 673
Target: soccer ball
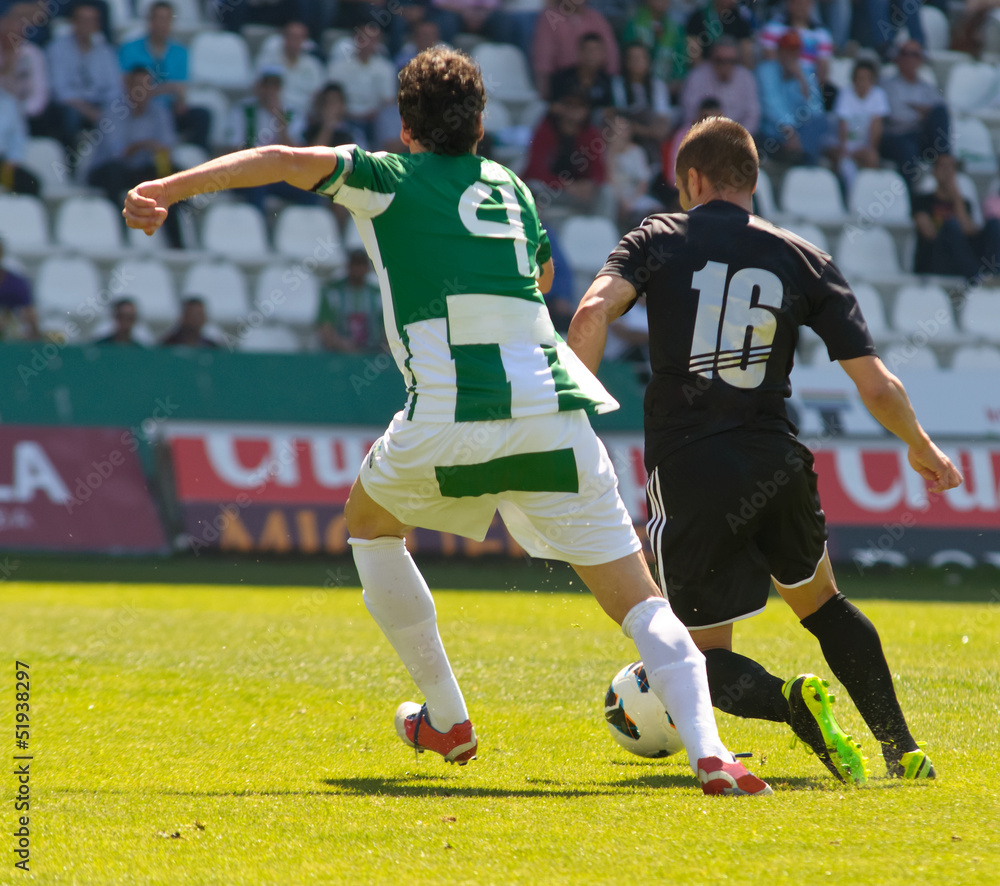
636, 718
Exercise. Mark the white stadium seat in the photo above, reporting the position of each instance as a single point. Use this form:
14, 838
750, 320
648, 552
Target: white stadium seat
221, 59
903, 358
924, 309
69, 289
971, 85
90, 224
150, 285
976, 358
937, 30
867, 254
981, 315
46, 158
216, 103
764, 196
506, 75
140, 241
235, 230
971, 143
273, 339
288, 295
809, 232
880, 195
587, 241
309, 233
223, 287
812, 193
873, 310
184, 156
24, 224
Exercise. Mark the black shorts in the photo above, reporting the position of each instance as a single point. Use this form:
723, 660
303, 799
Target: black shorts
728, 512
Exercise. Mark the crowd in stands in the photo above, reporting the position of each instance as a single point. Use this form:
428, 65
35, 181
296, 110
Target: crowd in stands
614, 86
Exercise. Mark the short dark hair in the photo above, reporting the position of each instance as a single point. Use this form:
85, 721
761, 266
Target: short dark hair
865, 64
192, 300
161, 4
590, 37
441, 100
722, 151
124, 302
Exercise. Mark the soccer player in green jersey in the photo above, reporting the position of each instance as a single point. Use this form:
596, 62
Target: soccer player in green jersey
496, 410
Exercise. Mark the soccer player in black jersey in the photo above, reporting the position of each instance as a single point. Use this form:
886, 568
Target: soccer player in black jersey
725, 294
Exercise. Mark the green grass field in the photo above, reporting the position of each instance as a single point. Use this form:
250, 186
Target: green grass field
202, 735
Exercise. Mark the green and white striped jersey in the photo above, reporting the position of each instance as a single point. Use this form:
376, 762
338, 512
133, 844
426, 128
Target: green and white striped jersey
457, 244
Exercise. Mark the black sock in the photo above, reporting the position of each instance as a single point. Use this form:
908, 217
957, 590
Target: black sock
853, 650
740, 686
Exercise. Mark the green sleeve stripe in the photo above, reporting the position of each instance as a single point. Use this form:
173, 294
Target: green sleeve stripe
483, 391
526, 472
568, 392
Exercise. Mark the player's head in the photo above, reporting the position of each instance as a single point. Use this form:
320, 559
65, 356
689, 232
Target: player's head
717, 158
441, 101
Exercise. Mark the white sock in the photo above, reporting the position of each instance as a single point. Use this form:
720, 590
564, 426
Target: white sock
401, 604
675, 668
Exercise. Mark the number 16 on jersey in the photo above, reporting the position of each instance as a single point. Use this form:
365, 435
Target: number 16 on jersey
734, 327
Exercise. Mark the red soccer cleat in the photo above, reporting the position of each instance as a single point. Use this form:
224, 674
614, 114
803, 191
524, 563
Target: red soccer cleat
457, 745
733, 779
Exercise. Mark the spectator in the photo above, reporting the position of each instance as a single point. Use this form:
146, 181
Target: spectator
86, 77
190, 330
424, 33
566, 166
38, 15
370, 84
277, 13
949, 241
715, 20
125, 316
837, 15
24, 74
726, 80
588, 76
557, 40
917, 126
17, 309
350, 310
666, 189
793, 119
13, 146
653, 27
138, 147
167, 60
262, 121
303, 72
482, 17
859, 111
326, 124
879, 21
630, 175
642, 97
815, 40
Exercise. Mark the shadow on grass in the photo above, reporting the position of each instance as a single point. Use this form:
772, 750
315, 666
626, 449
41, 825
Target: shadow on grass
430, 786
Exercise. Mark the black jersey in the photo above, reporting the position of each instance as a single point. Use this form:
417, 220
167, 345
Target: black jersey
726, 293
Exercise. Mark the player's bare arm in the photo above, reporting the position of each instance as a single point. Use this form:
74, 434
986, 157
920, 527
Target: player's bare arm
545, 278
606, 300
147, 204
885, 398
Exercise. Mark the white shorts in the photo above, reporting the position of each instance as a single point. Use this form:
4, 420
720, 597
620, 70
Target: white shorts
548, 475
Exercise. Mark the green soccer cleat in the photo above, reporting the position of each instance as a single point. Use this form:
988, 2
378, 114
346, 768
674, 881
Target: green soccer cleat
914, 765
812, 721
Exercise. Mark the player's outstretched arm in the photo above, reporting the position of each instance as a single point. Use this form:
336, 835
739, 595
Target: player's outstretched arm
885, 398
147, 204
607, 299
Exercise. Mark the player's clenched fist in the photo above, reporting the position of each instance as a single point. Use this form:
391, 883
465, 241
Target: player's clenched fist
146, 206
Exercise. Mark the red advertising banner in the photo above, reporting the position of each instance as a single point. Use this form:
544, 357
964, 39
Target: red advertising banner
283, 489
75, 489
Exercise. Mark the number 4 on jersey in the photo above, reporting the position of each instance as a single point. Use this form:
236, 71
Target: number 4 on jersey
734, 328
